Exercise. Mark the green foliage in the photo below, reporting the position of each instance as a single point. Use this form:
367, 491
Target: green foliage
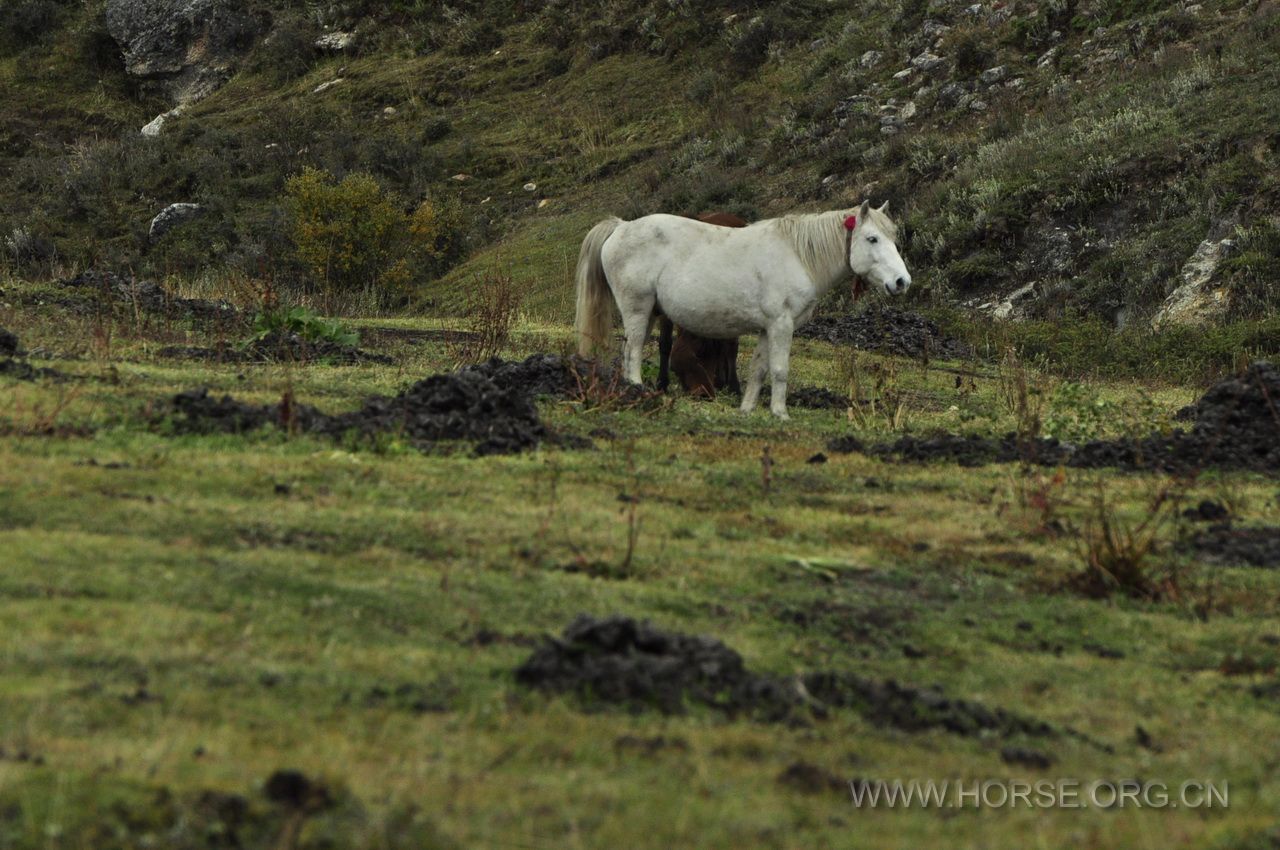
1080, 412
304, 323
1252, 271
1079, 347
352, 236
24, 22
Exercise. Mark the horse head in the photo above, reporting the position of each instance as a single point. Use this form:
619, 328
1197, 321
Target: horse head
873, 249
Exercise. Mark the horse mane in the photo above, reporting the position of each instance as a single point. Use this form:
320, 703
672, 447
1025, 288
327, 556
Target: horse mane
818, 238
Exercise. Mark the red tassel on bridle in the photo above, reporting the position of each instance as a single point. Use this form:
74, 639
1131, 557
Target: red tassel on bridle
851, 222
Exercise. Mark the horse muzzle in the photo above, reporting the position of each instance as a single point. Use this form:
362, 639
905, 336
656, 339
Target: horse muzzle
898, 285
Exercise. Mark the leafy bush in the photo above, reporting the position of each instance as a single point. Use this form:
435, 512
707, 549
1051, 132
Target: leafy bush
304, 323
354, 238
288, 52
26, 21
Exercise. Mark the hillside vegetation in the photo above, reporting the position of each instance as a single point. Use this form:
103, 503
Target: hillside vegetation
1085, 147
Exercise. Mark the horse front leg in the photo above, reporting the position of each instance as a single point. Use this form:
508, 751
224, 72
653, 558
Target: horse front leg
755, 374
779, 365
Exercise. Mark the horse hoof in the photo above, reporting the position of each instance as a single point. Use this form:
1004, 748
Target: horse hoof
782, 416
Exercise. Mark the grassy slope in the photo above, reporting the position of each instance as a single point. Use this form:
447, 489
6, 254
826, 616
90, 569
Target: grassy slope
1135, 154
258, 624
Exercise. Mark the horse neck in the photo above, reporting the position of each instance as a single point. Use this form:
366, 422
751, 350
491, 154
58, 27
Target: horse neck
821, 249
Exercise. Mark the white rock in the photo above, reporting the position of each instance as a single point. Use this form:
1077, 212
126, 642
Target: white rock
531, 187
461, 178
1197, 300
155, 125
544, 202
933, 29
909, 111
991, 76
928, 62
171, 216
336, 41
324, 87
871, 58
1008, 308
904, 73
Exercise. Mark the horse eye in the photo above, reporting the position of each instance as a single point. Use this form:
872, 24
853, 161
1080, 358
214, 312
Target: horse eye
873, 239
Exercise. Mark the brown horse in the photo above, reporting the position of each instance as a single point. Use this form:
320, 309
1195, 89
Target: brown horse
703, 365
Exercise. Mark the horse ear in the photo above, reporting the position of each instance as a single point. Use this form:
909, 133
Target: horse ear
883, 207
864, 209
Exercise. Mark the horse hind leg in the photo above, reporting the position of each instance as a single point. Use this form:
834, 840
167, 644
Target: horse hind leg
637, 320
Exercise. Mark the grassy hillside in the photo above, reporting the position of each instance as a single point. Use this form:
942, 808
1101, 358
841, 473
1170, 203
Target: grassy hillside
1117, 137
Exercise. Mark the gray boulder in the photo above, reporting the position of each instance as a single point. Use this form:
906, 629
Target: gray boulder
184, 48
172, 216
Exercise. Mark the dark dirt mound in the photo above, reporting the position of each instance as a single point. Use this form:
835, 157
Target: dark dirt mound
536, 375
816, 398
881, 328
111, 288
23, 371
464, 405
1207, 511
1258, 546
9, 343
277, 347
620, 661
1236, 425
197, 412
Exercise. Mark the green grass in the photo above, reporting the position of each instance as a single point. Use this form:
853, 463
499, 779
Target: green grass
218, 607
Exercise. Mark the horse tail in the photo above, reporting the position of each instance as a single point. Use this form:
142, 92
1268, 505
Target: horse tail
594, 318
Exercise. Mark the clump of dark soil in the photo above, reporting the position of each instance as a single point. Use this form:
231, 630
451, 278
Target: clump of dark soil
276, 347
1258, 546
197, 412
809, 778
1236, 425
883, 328
464, 405
816, 398
1207, 511
21, 370
620, 661
110, 288
536, 375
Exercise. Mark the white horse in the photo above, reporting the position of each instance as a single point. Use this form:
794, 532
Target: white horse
722, 282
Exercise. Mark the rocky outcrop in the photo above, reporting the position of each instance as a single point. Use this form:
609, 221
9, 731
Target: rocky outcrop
183, 48
1199, 298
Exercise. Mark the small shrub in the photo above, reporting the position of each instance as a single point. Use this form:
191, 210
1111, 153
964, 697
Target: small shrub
491, 312
303, 323
349, 234
1253, 271
354, 238
288, 52
1121, 557
973, 56
1077, 412
25, 22
437, 229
